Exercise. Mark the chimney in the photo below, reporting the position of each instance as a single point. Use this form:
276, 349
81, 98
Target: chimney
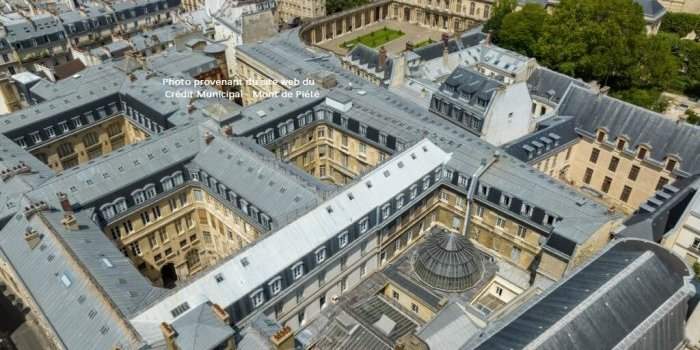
65, 203
208, 137
33, 208
487, 40
32, 237
69, 221
221, 314
283, 339
381, 60
169, 334
228, 131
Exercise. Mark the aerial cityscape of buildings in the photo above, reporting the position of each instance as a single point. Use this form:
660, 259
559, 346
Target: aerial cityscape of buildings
269, 175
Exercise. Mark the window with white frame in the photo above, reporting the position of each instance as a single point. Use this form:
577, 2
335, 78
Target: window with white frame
414, 191
321, 255
484, 190
36, 138
480, 211
343, 239
500, 222
120, 205
64, 126
167, 183
399, 201
275, 286
50, 131
364, 225
138, 196
149, 191
258, 298
177, 177
21, 142
298, 270
107, 211
386, 211
426, 183
522, 231
505, 200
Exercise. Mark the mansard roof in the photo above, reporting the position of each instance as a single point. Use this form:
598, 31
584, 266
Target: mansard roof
663, 136
549, 85
630, 285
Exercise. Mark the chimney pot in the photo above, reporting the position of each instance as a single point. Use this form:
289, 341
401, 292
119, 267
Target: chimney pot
65, 202
208, 137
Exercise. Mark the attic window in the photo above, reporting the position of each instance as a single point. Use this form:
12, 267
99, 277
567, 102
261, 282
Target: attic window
219, 278
329, 210
351, 196
369, 184
413, 156
245, 262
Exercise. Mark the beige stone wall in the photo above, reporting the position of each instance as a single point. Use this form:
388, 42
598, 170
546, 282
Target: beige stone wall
287, 10
99, 139
194, 230
642, 188
690, 6
409, 302
328, 153
249, 70
450, 15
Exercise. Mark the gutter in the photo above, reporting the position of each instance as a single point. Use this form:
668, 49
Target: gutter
485, 165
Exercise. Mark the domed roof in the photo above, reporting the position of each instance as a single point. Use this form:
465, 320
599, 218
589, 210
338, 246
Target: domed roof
448, 261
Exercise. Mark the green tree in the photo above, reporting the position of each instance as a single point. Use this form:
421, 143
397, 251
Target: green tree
500, 11
692, 118
647, 98
680, 23
657, 66
522, 29
594, 39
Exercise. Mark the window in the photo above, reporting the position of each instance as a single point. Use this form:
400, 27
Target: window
50, 131
362, 147
128, 228
620, 145
671, 164
298, 270
634, 172
145, 218
321, 255
642, 153
275, 286
526, 209
414, 191
180, 309
696, 243
522, 231
500, 222
343, 239
601, 136
135, 248
344, 141
364, 225
505, 200
163, 235
399, 201
414, 308
258, 298
626, 191
426, 182
594, 155
152, 240
480, 211
606, 184
614, 161
587, 176
662, 182
386, 211
499, 291
484, 190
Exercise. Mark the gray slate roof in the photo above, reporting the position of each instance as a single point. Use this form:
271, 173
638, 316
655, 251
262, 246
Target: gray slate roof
200, 328
641, 126
602, 304
549, 85
77, 310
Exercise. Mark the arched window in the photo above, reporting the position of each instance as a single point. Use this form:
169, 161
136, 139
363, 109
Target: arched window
150, 191
120, 204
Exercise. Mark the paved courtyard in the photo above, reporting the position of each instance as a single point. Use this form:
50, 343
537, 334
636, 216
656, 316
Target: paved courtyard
412, 32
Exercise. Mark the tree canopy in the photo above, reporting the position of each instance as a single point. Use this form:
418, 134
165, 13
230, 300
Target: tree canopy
500, 11
604, 41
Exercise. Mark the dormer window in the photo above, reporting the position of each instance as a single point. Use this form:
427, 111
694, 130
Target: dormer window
321, 255
364, 225
386, 211
414, 191
258, 298
150, 191
620, 145
298, 270
484, 190
505, 200
601, 136
671, 164
138, 196
343, 239
426, 183
275, 285
399, 201
526, 209
642, 153
120, 205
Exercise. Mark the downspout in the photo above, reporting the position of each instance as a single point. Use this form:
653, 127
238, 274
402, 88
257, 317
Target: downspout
485, 165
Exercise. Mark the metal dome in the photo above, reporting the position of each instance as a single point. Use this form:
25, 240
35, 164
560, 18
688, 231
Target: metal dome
448, 262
